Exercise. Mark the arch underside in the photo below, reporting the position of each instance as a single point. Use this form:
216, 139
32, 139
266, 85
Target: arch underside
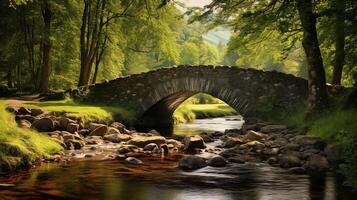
161, 103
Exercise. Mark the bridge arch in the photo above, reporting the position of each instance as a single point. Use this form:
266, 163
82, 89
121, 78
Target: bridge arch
158, 93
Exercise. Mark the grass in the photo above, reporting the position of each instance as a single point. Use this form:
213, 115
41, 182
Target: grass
188, 112
86, 113
21, 147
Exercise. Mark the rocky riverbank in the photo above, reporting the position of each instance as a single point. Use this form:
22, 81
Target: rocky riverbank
256, 141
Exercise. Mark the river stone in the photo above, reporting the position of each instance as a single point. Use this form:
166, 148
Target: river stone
83, 132
112, 130
24, 111
99, 131
36, 111
150, 147
154, 132
297, 170
253, 135
157, 150
117, 138
236, 159
72, 127
118, 126
247, 127
29, 118
93, 140
165, 148
173, 142
43, 125
289, 161
133, 161
316, 164
193, 142
123, 149
291, 147
333, 154
207, 138
273, 128
217, 161
141, 141
63, 122
231, 142
23, 123
252, 144
191, 162
92, 126
74, 144
307, 142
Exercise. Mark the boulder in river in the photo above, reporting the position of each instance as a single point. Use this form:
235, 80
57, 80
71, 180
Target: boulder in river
64, 121
117, 138
118, 126
150, 147
141, 141
74, 144
24, 111
133, 161
316, 164
43, 125
253, 135
99, 131
193, 142
29, 118
72, 127
36, 111
289, 161
217, 161
231, 142
192, 162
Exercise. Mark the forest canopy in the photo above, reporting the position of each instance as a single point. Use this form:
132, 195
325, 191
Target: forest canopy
57, 45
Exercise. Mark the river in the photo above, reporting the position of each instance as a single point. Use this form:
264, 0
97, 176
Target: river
159, 179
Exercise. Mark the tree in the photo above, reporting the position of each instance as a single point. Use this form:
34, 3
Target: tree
340, 6
46, 48
316, 73
258, 18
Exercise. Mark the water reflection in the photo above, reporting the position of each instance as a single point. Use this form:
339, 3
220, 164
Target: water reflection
214, 124
109, 180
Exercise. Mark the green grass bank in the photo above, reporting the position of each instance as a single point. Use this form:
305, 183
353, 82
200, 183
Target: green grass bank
338, 127
21, 147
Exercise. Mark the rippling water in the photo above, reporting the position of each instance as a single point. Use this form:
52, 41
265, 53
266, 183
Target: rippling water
159, 179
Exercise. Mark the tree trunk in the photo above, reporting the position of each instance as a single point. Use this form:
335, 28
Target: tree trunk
10, 83
340, 42
317, 97
46, 51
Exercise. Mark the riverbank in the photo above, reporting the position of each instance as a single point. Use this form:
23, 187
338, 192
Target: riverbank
337, 127
21, 147
188, 112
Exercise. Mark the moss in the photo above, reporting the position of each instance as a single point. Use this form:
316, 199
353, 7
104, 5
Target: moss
99, 113
25, 145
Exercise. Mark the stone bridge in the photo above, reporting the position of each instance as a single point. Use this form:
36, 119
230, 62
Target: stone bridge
156, 94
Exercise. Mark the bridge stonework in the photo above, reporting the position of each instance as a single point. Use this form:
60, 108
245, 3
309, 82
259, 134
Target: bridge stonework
158, 93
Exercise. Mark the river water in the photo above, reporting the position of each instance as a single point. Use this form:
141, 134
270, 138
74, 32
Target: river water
159, 179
